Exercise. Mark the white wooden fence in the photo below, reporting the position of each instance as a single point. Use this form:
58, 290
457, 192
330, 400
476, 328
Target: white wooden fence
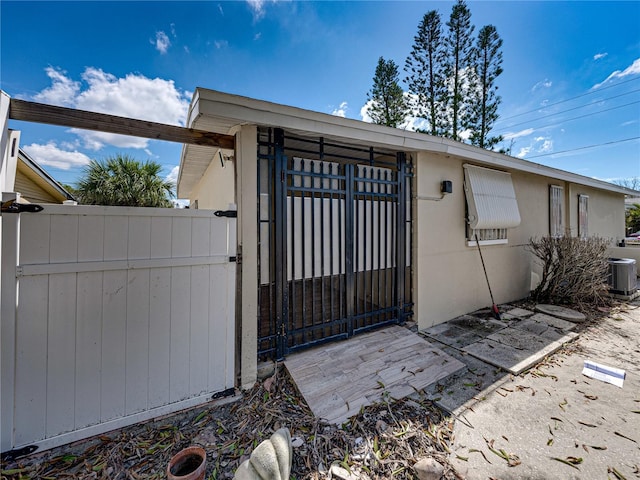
111, 316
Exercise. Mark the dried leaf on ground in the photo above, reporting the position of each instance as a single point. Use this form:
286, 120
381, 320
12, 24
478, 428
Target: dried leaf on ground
382, 441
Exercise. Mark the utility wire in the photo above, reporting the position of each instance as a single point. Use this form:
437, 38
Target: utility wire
569, 99
583, 148
504, 129
560, 122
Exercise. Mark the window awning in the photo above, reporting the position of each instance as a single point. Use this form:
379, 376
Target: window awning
491, 198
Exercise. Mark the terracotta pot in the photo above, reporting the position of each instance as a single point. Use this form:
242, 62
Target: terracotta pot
188, 464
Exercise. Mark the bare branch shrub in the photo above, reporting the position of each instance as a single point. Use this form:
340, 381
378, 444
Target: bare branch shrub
574, 270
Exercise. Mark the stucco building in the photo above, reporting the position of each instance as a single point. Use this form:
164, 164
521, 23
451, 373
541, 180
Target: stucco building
345, 226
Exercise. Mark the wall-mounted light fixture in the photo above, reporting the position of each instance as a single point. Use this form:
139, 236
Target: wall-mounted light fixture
446, 187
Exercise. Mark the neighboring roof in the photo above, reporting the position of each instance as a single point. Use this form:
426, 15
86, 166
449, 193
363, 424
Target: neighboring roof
222, 112
41, 178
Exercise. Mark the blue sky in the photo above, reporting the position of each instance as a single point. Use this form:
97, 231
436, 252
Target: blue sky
570, 88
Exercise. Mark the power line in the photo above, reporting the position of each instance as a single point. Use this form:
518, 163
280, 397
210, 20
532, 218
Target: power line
583, 148
572, 98
569, 110
560, 122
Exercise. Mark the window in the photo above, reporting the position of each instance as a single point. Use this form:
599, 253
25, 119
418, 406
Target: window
493, 235
556, 211
583, 216
492, 207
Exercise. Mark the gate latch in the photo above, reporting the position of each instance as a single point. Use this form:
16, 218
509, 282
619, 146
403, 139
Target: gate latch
226, 213
15, 207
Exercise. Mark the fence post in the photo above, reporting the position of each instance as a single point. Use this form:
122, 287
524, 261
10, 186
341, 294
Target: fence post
8, 304
401, 254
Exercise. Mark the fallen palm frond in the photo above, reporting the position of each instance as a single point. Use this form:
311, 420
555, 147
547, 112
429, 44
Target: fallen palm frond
571, 461
616, 473
511, 459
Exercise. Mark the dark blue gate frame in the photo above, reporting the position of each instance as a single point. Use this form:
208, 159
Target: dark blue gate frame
347, 305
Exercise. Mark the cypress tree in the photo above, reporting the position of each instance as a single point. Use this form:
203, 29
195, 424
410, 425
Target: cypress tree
425, 78
458, 68
388, 105
488, 68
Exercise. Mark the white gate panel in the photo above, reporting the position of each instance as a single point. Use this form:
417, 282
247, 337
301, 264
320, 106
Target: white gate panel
159, 335
30, 364
87, 342
61, 358
114, 318
121, 314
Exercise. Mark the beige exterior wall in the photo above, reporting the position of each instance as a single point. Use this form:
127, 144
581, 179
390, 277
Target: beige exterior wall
630, 251
247, 200
216, 190
448, 276
606, 212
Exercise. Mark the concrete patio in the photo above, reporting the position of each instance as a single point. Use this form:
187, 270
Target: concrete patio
338, 379
514, 343
552, 422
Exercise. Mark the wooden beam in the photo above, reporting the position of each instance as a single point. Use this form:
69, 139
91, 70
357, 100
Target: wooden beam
70, 117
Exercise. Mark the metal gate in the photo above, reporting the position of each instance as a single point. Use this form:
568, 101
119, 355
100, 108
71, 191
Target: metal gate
335, 243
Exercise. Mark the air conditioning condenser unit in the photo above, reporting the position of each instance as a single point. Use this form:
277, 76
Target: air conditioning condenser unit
623, 276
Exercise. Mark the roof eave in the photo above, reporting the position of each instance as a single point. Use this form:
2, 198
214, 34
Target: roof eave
44, 175
234, 110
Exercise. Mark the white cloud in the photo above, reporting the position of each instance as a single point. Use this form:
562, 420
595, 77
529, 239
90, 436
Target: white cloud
521, 133
546, 145
598, 56
97, 140
220, 9
173, 175
546, 83
341, 111
633, 69
70, 145
412, 122
53, 156
162, 42
524, 151
364, 112
221, 44
465, 135
536, 145
62, 91
134, 96
257, 7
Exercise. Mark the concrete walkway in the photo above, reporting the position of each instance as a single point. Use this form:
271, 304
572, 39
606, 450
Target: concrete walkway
338, 379
552, 422
520, 339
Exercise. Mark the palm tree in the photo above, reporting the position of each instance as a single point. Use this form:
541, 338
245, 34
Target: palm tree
121, 180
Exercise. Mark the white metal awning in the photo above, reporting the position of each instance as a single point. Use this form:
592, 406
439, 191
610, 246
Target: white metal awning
491, 198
